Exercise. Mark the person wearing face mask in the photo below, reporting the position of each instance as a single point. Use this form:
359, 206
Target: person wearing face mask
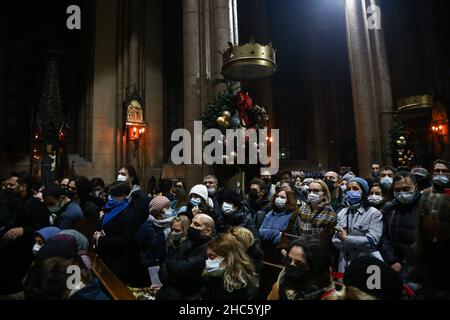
199, 202
21, 215
214, 191
80, 191
180, 201
229, 272
138, 200
316, 218
441, 177
306, 275
332, 179
297, 188
150, 238
433, 247
258, 203
423, 178
270, 187
400, 221
178, 235
305, 186
375, 175
64, 211
42, 236
184, 269
360, 226
234, 214
98, 193
386, 177
114, 241
377, 196
284, 204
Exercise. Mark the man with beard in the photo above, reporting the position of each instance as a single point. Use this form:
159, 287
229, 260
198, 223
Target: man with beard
306, 275
21, 215
441, 177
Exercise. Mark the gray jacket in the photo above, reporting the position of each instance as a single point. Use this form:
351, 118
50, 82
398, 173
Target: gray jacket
364, 234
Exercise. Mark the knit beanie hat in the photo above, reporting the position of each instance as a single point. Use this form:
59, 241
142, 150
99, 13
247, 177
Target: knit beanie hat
201, 191
47, 233
421, 172
157, 204
56, 248
358, 273
362, 183
81, 240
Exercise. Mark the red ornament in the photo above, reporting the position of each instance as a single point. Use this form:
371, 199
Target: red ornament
244, 104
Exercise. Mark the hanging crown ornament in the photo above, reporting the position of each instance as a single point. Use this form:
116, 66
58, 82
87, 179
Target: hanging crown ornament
251, 61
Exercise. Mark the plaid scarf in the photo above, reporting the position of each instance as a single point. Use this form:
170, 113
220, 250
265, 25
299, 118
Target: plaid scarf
312, 222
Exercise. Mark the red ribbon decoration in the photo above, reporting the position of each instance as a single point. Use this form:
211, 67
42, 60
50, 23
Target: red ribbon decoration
244, 104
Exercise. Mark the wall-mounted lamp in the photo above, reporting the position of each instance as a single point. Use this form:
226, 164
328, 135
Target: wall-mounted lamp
135, 125
437, 130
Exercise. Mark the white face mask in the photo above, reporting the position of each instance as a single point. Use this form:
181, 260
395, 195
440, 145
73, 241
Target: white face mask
167, 214
36, 249
213, 265
314, 198
305, 188
122, 178
97, 193
375, 199
211, 191
227, 208
344, 187
280, 203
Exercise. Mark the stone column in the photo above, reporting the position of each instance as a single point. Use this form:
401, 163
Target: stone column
371, 83
104, 93
192, 79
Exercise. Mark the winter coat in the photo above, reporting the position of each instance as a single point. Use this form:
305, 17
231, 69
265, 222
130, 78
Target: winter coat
151, 244
213, 289
364, 234
92, 291
139, 202
184, 271
116, 248
399, 236
68, 214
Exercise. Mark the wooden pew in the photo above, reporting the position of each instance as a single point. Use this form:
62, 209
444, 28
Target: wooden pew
269, 275
114, 287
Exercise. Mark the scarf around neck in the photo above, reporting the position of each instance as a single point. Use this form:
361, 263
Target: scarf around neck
114, 207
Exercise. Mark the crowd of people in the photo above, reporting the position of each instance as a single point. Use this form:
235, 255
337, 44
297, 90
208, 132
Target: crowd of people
209, 243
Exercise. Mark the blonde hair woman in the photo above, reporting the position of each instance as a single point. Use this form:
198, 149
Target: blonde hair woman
315, 218
178, 233
229, 272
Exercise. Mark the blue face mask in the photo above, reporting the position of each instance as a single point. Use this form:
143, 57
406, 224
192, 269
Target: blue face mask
353, 197
196, 202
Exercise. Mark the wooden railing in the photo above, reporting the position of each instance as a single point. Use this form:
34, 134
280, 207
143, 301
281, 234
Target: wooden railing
114, 287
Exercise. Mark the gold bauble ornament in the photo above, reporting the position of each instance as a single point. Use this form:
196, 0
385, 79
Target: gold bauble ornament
227, 115
221, 121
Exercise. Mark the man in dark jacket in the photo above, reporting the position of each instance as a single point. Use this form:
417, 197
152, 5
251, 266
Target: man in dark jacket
21, 216
64, 211
234, 214
185, 268
139, 201
258, 198
214, 191
114, 243
400, 222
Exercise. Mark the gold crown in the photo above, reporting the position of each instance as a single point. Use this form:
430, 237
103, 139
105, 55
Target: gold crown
250, 61
415, 102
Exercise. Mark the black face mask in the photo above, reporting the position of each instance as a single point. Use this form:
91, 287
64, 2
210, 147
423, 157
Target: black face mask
330, 184
70, 194
295, 277
193, 234
267, 180
253, 195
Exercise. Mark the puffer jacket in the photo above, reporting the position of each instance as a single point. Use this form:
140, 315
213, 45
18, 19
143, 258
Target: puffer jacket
399, 233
